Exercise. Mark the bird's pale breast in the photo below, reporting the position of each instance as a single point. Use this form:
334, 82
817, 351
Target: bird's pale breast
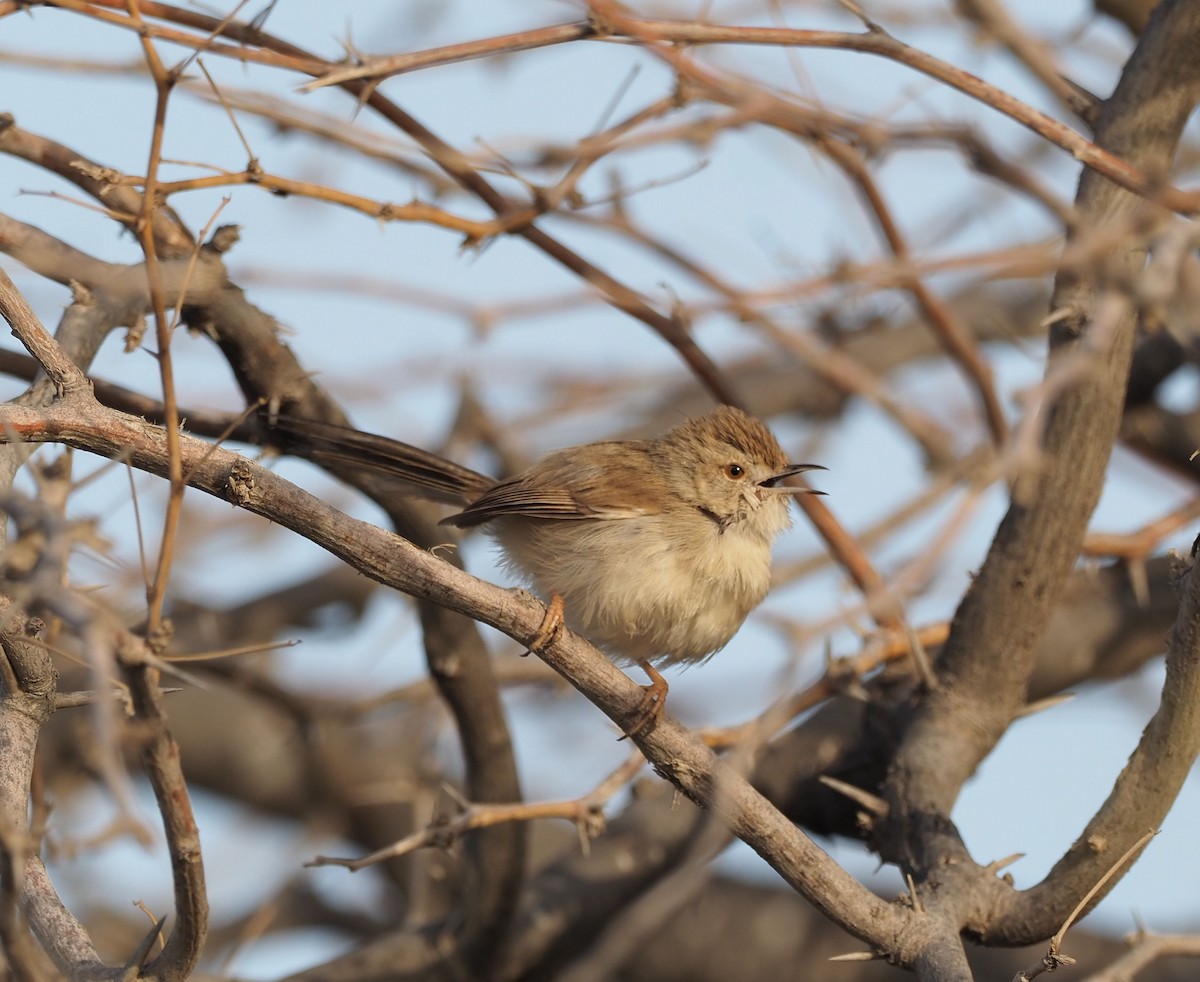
640, 589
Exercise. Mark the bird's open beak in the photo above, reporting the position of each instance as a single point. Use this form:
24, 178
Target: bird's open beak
773, 483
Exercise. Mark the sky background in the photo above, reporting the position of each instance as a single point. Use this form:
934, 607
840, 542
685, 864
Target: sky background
772, 211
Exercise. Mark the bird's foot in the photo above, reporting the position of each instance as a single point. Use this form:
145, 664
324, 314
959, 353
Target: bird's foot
552, 624
650, 709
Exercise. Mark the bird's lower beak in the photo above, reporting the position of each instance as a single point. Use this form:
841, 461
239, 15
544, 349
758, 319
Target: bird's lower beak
774, 482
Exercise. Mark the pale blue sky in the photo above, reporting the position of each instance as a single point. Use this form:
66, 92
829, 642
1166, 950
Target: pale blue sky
771, 209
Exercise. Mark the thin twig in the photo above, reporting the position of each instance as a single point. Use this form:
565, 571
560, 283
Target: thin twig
586, 812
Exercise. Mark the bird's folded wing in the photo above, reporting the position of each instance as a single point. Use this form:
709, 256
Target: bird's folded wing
603, 481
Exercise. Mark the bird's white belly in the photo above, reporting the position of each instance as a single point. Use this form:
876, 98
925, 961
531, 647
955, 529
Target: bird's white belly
645, 596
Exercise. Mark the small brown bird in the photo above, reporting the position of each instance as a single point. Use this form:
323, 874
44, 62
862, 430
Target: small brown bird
657, 550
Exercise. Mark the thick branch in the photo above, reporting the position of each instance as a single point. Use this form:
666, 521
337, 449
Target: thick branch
989, 657
1140, 799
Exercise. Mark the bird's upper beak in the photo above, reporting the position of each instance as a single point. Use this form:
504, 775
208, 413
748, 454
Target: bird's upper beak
773, 483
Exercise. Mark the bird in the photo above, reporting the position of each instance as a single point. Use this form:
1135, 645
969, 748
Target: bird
655, 550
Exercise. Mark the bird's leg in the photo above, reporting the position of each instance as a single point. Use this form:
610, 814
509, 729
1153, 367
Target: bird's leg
552, 623
654, 698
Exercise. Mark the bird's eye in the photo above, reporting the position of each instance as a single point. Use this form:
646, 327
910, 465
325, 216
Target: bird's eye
735, 471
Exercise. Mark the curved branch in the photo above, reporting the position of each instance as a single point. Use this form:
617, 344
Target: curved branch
80, 422
123, 203
1140, 799
28, 680
185, 943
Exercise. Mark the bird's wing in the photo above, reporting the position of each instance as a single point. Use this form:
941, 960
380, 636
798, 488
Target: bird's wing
603, 481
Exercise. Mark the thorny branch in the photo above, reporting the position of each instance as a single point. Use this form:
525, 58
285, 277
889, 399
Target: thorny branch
884, 749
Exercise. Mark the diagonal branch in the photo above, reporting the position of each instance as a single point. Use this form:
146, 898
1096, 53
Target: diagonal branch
79, 421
